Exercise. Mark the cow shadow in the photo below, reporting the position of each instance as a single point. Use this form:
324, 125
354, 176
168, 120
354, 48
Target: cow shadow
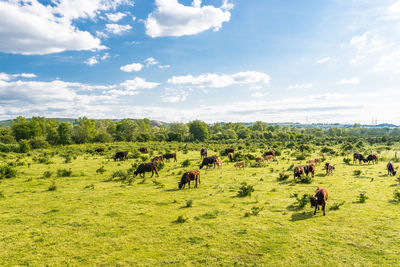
293, 207
320, 175
299, 216
171, 190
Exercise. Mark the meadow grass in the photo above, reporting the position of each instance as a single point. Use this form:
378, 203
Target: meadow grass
90, 219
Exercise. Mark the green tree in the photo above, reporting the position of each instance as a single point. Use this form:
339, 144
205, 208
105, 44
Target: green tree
20, 128
64, 133
199, 130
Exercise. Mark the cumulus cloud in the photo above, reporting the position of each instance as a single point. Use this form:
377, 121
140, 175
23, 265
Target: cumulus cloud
219, 81
91, 61
150, 62
132, 67
171, 18
353, 81
164, 66
301, 86
138, 84
117, 28
323, 60
7, 77
114, 17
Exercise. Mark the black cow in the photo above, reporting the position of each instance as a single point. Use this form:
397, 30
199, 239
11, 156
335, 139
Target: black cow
146, 167
121, 155
309, 169
203, 152
99, 150
359, 157
229, 150
143, 149
268, 153
373, 158
209, 161
390, 169
319, 199
169, 156
189, 176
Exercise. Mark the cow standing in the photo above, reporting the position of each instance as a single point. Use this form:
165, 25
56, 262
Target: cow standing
229, 150
230, 156
319, 199
209, 161
146, 167
189, 176
309, 169
203, 153
99, 150
143, 149
169, 156
298, 172
269, 153
390, 169
240, 164
373, 158
121, 155
329, 168
359, 157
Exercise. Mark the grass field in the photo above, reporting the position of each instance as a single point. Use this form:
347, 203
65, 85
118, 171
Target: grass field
91, 220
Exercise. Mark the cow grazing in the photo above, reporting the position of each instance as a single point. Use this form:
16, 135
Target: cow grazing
230, 156
298, 172
189, 176
142, 149
269, 153
259, 159
240, 164
157, 159
146, 167
310, 161
229, 150
268, 158
169, 156
99, 150
203, 153
359, 157
390, 169
319, 199
309, 169
329, 168
209, 161
121, 155
373, 158
219, 163
317, 161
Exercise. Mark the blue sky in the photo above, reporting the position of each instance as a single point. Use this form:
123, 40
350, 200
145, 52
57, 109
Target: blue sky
214, 60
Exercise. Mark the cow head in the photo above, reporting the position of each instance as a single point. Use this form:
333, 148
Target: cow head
180, 184
394, 172
313, 201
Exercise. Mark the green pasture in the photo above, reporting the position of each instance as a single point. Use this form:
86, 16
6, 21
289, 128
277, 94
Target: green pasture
90, 219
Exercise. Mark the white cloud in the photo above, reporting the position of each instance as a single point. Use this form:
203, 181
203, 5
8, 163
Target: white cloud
114, 17
132, 67
91, 61
117, 28
301, 86
174, 96
393, 12
164, 66
259, 95
323, 60
227, 5
219, 81
101, 35
150, 62
354, 81
105, 56
138, 84
8, 77
174, 19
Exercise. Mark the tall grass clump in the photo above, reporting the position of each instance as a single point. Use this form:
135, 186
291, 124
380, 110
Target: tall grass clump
245, 190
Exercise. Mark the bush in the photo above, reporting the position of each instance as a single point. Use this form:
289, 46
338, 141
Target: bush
24, 146
160, 165
7, 172
300, 202
256, 165
38, 142
300, 157
6, 148
120, 174
362, 197
180, 219
47, 174
101, 170
186, 163
254, 211
346, 160
283, 176
189, 203
357, 172
134, 155
144, 158
53, 186
245, 190
64, 173
396, 195
336, 206
304, 180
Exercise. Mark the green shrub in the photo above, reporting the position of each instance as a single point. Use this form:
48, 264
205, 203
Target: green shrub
336, 206
135, 155
47, 174
7, 172
144, 158
24, 146
245, 190
189, 203
160, 165
303, 180
346, 160
64, 173
396, 195
186, 163
120, 174
300, 202
53, 186
101, 170
283, 176
362, 197
300, 157
6, 148
180, 219
357, 172
38, 142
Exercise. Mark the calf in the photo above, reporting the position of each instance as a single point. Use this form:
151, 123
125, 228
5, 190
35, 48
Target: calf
373, 158
209, 161
269, 158
169, 156
319, 199
143, 149
309, 169
298, 172
189, 176
146, 167
99, 150
317, 161
121, 155
240, 164
219, 163
390, 169
323, 155
203, 153
230, 156
329, 168
157, 159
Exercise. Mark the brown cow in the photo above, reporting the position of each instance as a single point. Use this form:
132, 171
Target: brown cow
319, 199
230, 156
390, 168
269, 158
240, 164
203, 153
323, 155
329, 168
373, 158
189, 176
143, 149
310, 161
99, 150
309, 169
317, 161
157, 159
219, 163
298, 172
269, 153
259, 159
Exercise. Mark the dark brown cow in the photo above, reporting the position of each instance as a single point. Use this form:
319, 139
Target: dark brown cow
373, 158
121, 155
189, 176
209, 161
169, 156
143, 149
146, 167
229, 150
230, 156
359, 157
99, 150
269, 153
298, 172
157, 159
390, 169
329, 168
319, 199
203, 153
309, 169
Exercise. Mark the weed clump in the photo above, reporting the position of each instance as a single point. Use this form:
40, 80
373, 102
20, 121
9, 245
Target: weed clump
186, 163
245, 190
304, 180
101, 170
7, 172
347, 160
53, 186
357, 172
396, 195
301, 202
64, 172
336, 206
189, 203
283, 176
47, 174
362, 197
180, 219
254, 211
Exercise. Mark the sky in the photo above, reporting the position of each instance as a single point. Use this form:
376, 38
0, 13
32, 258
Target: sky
309, 61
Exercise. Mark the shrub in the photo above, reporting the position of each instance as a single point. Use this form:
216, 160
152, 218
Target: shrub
7, 172
135, 155
38, 142
336, 206
290, 167
67, 158
91, 186
53, 186
2, 195
357, 172
245, 190
300, 157
64, 173
362, 197
256, 165
9, 148
396, 195
24, 146
144, 158
283, 176
254, 211
120, 174
304, 180
346, 160
101, 170
180, 219
186, 163
300, 202
47, 174
189, 203
160, 165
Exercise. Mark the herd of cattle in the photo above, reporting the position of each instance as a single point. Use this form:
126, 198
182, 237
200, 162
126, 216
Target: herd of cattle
319, 199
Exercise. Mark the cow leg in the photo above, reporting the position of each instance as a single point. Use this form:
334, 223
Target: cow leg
315, 211
189, 183
152, 173
323, 208
195, 186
